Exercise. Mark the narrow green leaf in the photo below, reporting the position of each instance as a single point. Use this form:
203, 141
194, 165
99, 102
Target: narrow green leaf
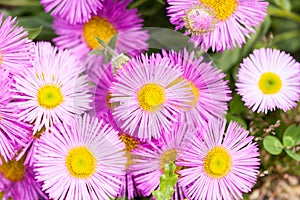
113, 41
284, 4
293, 155
291, 136
96, 52
273, 145
167, 182
33, 32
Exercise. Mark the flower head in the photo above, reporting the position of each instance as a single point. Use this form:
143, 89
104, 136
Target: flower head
15, 53
221, 165
269, 79
217, 24
53, 89
115, 18
73, 11
85, 157
149, 95
210, 91
17, 181
151, 157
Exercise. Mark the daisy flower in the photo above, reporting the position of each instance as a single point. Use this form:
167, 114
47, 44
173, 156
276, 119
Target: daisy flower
14, 134
210, 91
73, 11
14, 46
87, 158
115, 18
217, 24
17, 181
222, 165
269, 79
53, 90
149, 159
149, 95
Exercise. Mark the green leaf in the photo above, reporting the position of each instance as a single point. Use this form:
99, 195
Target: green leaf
20, 3
293, 155
113, 41
167, 182
33, 32
291, 136
273, 145
284, 4
96, 52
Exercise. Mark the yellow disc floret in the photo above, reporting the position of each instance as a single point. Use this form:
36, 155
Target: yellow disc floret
195, 92
270, 83
223, 8
81, 162
217, 162
167, 157
13, 170
49, 96
97, 26
151, 96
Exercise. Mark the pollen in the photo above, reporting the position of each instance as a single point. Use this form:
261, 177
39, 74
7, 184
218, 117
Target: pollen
81, 162
13, 170
270, 83
217, 163
223, 8
100, 27
151, 97
49, 96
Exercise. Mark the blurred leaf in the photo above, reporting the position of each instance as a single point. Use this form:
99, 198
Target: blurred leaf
272, 145
291, 136
293, 155
167, 182
284, 4
113, 41
33, 32
236, 105
162, 38
96, 52
20, 2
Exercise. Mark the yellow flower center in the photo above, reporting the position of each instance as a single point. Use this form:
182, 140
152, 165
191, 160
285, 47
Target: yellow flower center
222, 8
129, 141
1, 59
49, 96
107, 99
217, 162
151, 96
13, 170
193, 89
195, 92
130, 144
80, 162
97, 26
270, 83
167, 157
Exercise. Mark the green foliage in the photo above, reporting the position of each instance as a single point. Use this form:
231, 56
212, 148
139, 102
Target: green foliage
273, 145
167, 182
33, 32
291, 138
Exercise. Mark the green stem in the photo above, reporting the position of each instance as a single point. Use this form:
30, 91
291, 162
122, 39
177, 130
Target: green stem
277, 12
286, 36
